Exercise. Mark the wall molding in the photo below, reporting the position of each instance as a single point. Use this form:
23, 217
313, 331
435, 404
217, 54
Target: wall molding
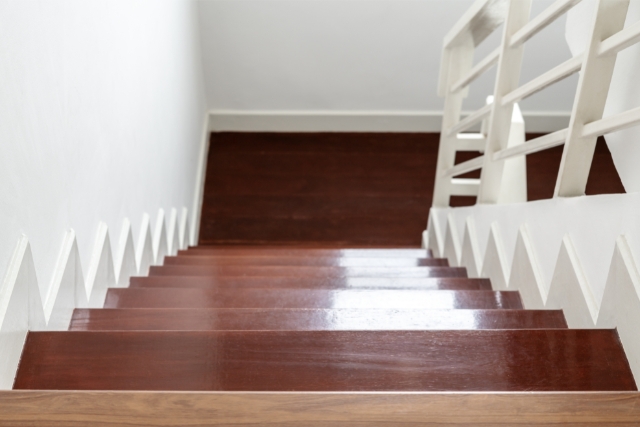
191, 233
358, 121
22, 307
517, 267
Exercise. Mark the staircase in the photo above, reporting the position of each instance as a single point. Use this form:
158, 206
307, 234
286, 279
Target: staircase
295, 319
365, 330
309, 302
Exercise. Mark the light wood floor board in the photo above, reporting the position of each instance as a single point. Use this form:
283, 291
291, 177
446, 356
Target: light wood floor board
37, 408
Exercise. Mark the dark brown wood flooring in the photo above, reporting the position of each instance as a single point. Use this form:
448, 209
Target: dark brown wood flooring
300, 330
309, 277
506, 360
208, 282
308, 298
305, 319
344, 189
304, 271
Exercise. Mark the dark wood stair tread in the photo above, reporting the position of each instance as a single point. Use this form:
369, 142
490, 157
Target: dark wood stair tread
298, 271
434, 283
177, 319
308, 298
305, 251
306, 261
486, 360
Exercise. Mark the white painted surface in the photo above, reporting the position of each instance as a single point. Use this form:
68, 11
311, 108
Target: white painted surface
14, 310
525, 273
360, 121
591, 97
624, 91
592, 222
22, 308
621, 302
102, 106
375, 58
145, 255
125, 264
555, 255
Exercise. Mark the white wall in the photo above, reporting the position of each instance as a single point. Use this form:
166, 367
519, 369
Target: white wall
368, 58
101, 117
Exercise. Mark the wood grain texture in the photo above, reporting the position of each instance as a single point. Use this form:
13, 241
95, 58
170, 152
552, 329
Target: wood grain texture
307, 272
432, 283
306, 261
486, 360
344, 188
305, 251
337, 188
310, 319
117, 408
308, 298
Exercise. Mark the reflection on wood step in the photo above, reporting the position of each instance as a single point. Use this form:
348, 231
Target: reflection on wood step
368, 228
487, 360
306, 251
298, 271
441, 283
308, 298
244, 319
306, 261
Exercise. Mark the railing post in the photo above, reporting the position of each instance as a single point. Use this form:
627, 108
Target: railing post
459, 60
514, 175
507, 79
591, 96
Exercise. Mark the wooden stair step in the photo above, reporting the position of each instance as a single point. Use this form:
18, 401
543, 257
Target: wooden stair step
299, 271
305, 251
275, 409
306, 261
308, 298
245, 319
486, 360
438, 283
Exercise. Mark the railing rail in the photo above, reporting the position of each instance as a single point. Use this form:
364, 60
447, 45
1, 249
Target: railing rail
504, 137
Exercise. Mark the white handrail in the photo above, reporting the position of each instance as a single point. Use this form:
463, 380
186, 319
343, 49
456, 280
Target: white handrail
607, 37
613, 123
464, 167
470, 120
621, 40
552, 76
544, 142
482, 66
545, 18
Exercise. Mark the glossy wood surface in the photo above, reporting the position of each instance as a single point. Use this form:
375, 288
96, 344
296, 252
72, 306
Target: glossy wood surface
305, 251
308, 298
487, 360
172, 319
437, 283
344, 188
337, 188
304, 271
310, 409
306, 261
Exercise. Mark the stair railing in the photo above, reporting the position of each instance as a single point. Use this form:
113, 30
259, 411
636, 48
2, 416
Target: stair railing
607, 37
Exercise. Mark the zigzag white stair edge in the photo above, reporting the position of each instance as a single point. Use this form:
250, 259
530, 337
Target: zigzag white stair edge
513, 263
23, 308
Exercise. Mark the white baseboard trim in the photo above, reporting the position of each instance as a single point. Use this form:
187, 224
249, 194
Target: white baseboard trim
23, 308
358, 121
198, 194
552, 254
